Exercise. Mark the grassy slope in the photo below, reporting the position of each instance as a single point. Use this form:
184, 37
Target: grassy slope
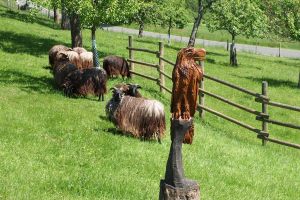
203, 33
53, 147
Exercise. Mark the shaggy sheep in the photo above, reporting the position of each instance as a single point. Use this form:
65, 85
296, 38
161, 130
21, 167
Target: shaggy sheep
86, 59
73, 58
79, 50
86, 81
139, 117
61, 71
115, 65
53, 52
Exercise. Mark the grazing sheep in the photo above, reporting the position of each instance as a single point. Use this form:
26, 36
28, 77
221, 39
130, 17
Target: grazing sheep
79, 50
129, 89
115, 65
86, 60
139, 117
61, 71
73, 58
86, 81
53, 52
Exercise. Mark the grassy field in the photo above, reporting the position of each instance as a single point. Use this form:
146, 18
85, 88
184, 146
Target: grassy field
54, 147
203, 33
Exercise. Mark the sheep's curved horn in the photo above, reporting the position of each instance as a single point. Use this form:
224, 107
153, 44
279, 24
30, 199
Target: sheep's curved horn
138, 86
113, 88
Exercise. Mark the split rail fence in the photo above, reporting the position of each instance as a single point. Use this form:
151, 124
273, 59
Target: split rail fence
262, 97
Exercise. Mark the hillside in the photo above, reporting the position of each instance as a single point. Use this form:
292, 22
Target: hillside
54, 147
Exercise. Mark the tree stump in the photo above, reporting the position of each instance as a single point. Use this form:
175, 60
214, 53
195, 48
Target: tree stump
176, 185
168, 192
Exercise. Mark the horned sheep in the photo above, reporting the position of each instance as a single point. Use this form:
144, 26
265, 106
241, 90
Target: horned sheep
138, 117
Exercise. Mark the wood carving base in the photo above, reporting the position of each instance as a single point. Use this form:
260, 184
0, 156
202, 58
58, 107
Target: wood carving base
168, 192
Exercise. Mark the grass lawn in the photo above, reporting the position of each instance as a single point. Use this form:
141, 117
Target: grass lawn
54, 147
223, 36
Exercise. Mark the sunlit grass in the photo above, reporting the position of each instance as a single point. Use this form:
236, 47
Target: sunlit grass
54, 147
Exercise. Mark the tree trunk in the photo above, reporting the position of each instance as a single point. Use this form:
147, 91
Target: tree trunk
233, 59
76, 34
196, 24
65, 21
141, 29
55, 16
94, 48
169, 31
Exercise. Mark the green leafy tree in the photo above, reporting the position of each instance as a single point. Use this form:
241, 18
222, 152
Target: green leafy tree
203, 7
146, 13
96, 12
283, 17
238, 17
173, 13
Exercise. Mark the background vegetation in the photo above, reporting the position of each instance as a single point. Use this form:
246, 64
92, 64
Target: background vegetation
54, 147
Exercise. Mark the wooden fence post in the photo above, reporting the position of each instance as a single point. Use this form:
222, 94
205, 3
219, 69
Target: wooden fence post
201, 95
264, 109
131, 55
161, 67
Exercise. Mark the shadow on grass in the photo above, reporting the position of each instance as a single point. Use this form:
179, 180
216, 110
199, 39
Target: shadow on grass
26, 82
25, 17
26, 43
271, 81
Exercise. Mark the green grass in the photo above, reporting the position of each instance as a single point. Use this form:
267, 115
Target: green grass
223, 36
53, 147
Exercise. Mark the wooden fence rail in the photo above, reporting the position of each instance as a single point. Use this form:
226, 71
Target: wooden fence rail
262, 97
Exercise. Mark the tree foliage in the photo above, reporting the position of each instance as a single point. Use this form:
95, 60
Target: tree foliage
284, 17
238, 17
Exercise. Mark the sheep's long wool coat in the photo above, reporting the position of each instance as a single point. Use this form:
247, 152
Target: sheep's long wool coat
186, 77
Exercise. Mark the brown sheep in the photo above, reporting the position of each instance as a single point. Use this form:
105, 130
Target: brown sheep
138, 117
86, 60
186, 76
73, 58
115, 66
53, 52
79, 50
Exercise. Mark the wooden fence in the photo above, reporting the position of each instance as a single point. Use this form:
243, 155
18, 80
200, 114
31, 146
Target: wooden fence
262, 97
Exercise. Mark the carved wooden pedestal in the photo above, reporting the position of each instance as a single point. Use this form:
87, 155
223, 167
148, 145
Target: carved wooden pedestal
168, 192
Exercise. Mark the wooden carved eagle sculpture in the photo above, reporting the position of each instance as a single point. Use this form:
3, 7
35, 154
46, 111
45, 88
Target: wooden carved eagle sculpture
186, 77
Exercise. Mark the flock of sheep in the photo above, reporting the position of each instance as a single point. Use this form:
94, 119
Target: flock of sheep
75, 74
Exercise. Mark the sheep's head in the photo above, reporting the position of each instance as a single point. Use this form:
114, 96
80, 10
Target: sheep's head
129, 89
133, 90
62, 56
117, 94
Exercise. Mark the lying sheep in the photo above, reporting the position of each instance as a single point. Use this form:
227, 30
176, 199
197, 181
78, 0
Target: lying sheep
86, 59
79, 50
139, 117
86, 81
53, 52
115, 66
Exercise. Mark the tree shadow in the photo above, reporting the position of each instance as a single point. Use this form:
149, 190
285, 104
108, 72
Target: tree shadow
28, 83
26, 43
271, 81
24, 17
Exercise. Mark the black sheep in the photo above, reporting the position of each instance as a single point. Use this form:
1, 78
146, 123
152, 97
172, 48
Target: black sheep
115, 65
86, 81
